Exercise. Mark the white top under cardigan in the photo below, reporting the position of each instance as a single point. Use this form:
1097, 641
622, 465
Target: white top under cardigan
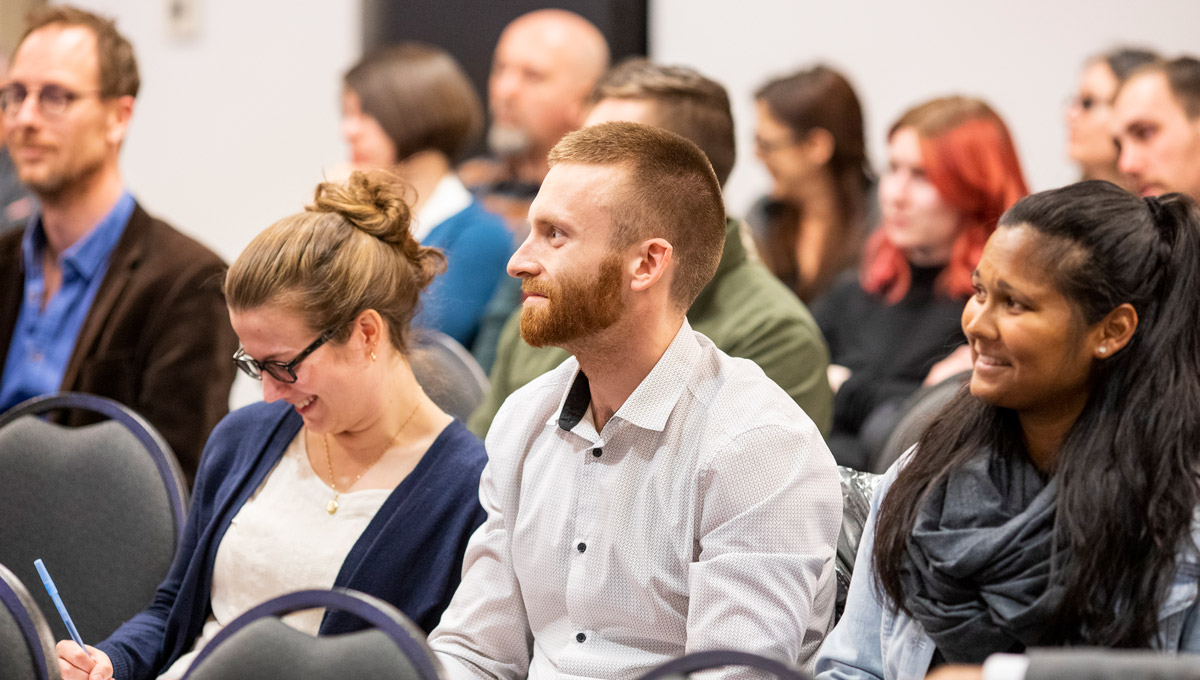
281, 541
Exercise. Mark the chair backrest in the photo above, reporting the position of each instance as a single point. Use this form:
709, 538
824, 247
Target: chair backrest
447, 372
26, 643
720, 658
918, 413
102, 505
857, 489
258, 645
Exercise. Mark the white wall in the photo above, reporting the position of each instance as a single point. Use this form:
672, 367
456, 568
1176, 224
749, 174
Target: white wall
1023, 56
232, 128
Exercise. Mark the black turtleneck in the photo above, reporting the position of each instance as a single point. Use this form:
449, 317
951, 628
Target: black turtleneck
888, 348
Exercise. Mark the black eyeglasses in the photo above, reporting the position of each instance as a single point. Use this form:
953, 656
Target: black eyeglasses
53, 100
284, 372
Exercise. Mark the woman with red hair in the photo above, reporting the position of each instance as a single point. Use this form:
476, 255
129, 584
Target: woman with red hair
952, 171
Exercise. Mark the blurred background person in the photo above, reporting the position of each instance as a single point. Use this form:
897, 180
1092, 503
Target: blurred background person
810, 137
412, 109
1054, 502
545, 66
348, 475
952, 171
15, 202
1158, 127
1090, 114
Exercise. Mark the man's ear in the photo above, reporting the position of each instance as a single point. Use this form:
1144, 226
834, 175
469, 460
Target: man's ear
120, 112
654, 257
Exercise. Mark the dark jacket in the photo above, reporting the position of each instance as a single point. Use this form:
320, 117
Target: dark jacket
410, 554
157, 337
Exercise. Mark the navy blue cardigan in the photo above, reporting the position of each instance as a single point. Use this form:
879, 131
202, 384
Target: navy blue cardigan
410, 554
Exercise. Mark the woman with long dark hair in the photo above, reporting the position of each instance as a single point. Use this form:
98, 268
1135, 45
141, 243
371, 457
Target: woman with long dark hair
810, 138
1055, 501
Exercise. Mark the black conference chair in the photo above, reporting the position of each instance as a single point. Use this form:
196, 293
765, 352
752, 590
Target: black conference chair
918, 411
676, 669
103, 505
258, 645
857, 489
447, 372
26, 644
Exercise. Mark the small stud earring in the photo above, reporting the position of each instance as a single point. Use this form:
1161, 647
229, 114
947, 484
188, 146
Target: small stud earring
1103, 349
372, 354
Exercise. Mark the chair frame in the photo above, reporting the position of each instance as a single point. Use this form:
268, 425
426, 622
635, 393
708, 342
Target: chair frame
139, 427
380, 614
702, 661
17, 599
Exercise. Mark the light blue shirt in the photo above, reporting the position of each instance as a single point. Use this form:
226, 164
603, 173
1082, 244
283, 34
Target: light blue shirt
44, 338
873, 641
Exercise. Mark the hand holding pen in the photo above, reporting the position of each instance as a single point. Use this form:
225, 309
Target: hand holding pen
76, 661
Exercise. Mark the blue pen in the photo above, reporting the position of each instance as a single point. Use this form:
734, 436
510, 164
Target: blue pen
62, 608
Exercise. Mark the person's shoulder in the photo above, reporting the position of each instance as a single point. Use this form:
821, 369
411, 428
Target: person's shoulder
166, 243
252, 417
460, 447
742, 394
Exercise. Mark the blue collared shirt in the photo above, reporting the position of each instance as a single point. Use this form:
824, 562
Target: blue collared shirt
44, 338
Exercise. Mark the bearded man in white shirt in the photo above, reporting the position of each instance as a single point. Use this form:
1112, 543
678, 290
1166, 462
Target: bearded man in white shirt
651, 496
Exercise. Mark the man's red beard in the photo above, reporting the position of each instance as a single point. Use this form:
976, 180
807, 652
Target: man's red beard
575, 307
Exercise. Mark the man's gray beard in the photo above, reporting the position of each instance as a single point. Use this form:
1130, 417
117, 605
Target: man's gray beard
505, 141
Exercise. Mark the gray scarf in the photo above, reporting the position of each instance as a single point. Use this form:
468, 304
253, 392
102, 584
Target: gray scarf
977, 573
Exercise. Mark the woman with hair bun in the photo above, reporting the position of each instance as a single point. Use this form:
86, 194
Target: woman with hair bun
1054, 502
348, 475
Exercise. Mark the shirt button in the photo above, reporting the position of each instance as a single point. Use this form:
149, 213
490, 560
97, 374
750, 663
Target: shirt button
581, 547
37, 357
597, 452
580, 637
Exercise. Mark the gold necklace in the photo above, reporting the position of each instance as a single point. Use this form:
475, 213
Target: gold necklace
332, 506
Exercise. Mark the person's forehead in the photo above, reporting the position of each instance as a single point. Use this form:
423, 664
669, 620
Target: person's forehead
611, 109
57, 53
540, 45
573, 190
1147, 96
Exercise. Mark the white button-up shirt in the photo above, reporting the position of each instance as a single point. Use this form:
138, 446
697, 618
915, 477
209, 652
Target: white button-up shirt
704, 515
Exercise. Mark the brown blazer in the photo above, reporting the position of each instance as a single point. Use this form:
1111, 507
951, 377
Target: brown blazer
157, 337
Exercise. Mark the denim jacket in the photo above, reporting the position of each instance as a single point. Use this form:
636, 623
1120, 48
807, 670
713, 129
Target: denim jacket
872, 641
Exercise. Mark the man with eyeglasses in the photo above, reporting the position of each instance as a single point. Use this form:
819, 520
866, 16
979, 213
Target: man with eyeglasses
95, 295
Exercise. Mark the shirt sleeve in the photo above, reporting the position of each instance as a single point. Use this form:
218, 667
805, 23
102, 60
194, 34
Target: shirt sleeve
485, 631
854, 648
768, 516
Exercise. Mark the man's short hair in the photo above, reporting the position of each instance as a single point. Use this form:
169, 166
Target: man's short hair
670, 192
685, 103
421, 97
118, 65
1183, 77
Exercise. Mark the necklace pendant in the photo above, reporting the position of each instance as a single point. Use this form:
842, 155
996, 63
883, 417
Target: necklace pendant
332, 506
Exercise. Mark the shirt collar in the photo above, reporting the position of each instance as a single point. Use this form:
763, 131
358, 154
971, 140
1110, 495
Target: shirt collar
652, 402
89, 254
448, 199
